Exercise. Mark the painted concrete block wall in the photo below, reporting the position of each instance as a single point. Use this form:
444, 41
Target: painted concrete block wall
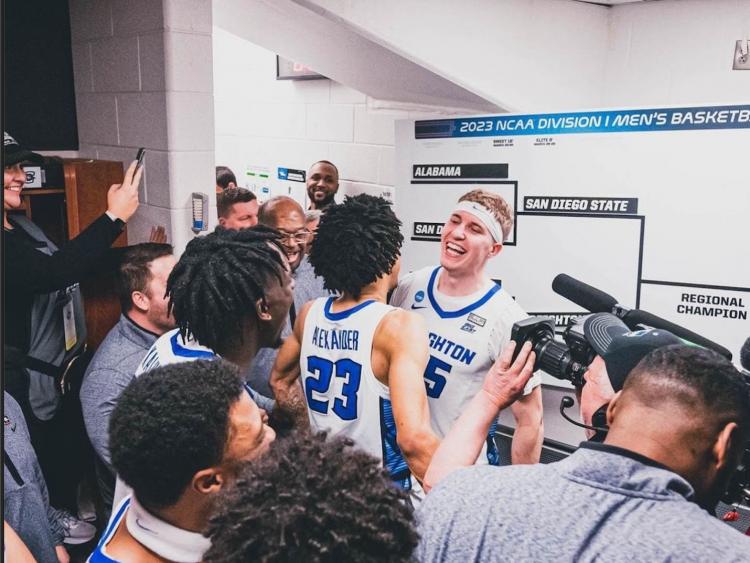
676, 52
144, 77
261, 121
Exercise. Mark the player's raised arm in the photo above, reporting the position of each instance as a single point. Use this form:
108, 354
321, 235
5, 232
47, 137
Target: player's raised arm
285, 380
503, 384
528, 413
402, 338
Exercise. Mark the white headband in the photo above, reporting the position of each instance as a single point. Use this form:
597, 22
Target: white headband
482, 213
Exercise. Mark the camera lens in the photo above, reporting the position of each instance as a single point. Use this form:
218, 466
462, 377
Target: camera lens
553, 357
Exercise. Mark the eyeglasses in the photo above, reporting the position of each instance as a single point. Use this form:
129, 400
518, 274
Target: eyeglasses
299, 236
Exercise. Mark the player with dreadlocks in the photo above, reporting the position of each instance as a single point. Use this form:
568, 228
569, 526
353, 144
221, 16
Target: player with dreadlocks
360, 361
230, 294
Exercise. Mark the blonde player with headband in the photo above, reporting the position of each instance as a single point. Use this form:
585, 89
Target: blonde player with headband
469, 319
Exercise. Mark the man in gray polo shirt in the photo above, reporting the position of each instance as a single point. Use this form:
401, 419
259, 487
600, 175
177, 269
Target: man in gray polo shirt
676, 433
142, 282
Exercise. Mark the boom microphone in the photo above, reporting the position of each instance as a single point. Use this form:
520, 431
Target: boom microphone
635, 317
588, 297
597, 301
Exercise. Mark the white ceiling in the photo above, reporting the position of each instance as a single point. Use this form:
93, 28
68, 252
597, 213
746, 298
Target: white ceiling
613, 2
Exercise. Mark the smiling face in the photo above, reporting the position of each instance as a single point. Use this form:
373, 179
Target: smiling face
13, 180
249, 435
322, 184
466, 244
290, 222
248, 438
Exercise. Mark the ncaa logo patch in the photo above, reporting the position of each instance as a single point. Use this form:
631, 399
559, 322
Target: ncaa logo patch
419, 296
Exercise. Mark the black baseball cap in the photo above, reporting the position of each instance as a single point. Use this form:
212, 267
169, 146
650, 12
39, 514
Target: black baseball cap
620, 348
13, 153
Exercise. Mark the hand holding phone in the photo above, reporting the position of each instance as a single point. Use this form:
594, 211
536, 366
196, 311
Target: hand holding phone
122, 199
139, 158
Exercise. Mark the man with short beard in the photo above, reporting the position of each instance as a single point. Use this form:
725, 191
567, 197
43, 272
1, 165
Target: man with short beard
179, 435
322, 184
230, 294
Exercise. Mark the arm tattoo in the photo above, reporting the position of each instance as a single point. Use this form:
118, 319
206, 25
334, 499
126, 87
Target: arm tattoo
291, 408
297, 406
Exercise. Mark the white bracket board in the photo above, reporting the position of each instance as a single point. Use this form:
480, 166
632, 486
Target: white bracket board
650, 205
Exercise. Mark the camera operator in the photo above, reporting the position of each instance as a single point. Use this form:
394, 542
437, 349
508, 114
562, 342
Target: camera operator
677, 430
618, 350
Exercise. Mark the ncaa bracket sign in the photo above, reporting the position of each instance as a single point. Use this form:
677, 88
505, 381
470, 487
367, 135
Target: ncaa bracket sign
650, 205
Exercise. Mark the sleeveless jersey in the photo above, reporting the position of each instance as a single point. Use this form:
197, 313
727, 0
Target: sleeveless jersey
466, 336
343, 395
99, 555
171, 348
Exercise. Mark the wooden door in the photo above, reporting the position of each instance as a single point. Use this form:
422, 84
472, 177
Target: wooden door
86, 185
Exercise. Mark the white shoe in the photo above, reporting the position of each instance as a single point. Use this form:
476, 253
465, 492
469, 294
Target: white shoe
76, 531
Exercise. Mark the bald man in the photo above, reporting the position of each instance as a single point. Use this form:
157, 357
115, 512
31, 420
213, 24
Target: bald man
287, 216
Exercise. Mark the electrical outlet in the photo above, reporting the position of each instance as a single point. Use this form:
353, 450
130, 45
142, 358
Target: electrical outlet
742, 55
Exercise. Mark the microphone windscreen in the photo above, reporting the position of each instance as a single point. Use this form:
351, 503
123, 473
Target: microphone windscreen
636, 316
588, 297
745, 355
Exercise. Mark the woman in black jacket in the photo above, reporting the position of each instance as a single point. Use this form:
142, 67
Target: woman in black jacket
43, 321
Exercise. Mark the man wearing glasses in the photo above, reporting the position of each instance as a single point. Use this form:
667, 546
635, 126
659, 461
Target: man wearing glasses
286, 216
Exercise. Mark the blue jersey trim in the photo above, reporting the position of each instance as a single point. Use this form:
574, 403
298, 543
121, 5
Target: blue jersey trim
331, 316
393, 459
493, 456
179, 350
98, 556
461, 312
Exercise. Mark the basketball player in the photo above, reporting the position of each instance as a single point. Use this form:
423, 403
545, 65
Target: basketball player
230, 294
360, 361
469, 318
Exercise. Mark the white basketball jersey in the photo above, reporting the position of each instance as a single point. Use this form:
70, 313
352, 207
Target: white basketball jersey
343, 396
172, 348
466, 335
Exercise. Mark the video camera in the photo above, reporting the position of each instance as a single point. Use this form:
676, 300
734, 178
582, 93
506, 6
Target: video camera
567, 359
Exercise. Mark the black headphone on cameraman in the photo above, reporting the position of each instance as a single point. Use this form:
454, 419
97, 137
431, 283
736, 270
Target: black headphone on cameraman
598, 419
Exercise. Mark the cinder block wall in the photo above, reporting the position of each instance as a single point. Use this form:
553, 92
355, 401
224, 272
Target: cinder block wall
144, 78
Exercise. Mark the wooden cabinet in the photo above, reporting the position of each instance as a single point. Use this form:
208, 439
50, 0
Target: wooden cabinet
62, 212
